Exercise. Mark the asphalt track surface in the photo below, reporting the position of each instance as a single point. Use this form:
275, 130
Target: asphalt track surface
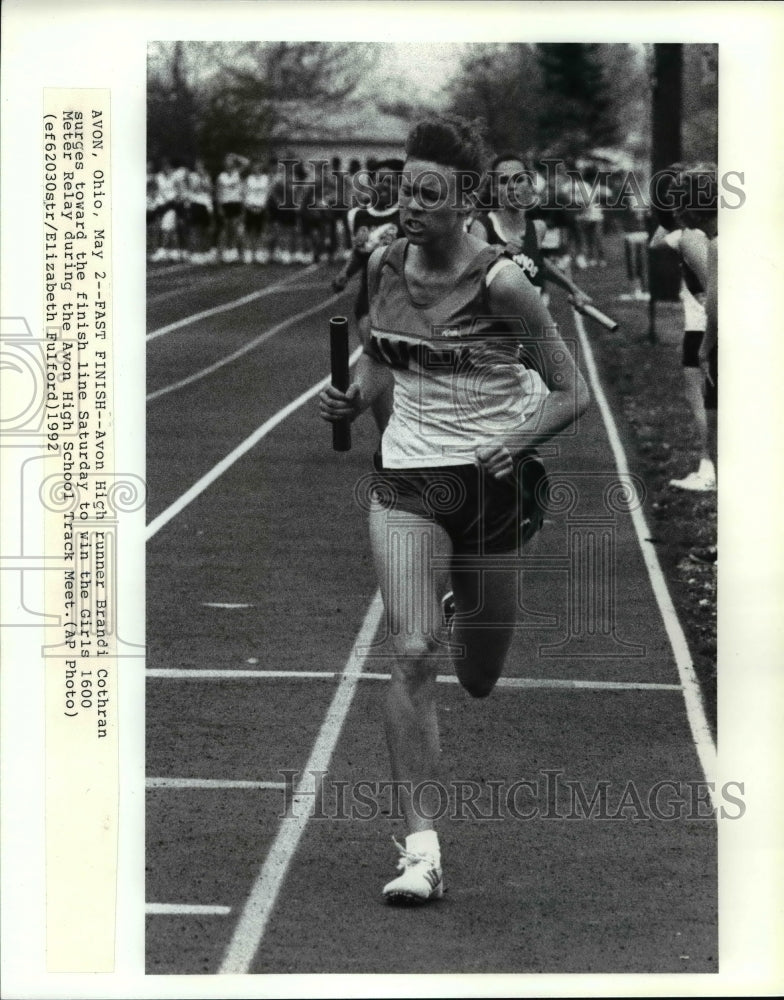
257, 591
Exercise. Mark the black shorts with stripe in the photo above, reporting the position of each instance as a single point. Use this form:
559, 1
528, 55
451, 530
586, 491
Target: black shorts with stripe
482, 515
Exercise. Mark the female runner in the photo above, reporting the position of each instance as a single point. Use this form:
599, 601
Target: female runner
456, 477
508, 225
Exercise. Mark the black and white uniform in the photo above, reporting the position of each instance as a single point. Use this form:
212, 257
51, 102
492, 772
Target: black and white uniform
458, 382
370, 228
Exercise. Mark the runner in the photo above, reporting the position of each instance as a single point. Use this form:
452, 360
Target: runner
228, 208
282, 213
255, 195
170, 195
371, 226
696, 199
198, 200
457, 475
669, 235
508, 225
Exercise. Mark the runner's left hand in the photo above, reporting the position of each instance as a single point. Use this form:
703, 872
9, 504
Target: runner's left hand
495, 459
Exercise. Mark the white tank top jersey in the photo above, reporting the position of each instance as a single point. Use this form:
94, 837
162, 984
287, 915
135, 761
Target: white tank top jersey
458, 378
229, 187
694, 315
168, 188
257, 189
199, 189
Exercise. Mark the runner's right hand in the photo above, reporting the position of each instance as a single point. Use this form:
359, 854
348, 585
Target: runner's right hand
335, 405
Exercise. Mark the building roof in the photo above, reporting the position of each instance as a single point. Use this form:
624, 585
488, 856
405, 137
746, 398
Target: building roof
360, 122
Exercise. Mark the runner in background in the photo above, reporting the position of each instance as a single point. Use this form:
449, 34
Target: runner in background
456, 473
256, 193
170, 204
228, 208
668, 236
152, 208
508, 225
371, 226
695, 195
199, 205
590, 197
281, 210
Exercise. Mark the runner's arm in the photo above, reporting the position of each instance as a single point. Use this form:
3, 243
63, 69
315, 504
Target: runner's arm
512, 295
557, 277
694, 250
711, 337
371, 376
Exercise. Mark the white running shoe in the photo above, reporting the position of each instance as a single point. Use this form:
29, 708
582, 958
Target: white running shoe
695, 482
247, 256
160, 254
420, 880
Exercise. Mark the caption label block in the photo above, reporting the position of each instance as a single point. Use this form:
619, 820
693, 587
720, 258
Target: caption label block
81, 667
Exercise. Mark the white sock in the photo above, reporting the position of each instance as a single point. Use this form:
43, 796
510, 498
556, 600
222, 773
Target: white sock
425, 842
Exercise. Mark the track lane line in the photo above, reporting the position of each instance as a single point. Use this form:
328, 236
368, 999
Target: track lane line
250, 346
692, 695
217, 471
185, 909
188, 783
256, 912
226, 306
568, 684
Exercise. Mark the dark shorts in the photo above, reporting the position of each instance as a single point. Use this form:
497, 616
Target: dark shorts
254, 220
199, 215
481, 515
691, 348
311, 220
712, 381
232, 209
282, 216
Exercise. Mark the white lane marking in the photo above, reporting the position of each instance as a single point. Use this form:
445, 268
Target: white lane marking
226, 306
186, 909
250, 928
695, 711
207, 783
250, 346
174, 673
218, 604
201, 485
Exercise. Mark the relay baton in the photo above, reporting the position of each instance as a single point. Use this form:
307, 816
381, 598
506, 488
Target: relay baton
595, 314
338, 352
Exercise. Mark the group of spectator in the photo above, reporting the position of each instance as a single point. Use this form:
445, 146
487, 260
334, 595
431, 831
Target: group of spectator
253, 211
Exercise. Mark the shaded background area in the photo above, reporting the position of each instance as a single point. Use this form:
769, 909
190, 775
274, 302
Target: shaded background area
572, 100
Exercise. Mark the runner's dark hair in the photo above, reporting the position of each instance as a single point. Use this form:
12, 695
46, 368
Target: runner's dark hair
451, 141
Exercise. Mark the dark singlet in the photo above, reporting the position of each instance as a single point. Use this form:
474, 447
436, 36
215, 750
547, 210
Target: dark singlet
526, 254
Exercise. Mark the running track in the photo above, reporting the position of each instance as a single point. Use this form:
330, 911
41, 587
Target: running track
260, 613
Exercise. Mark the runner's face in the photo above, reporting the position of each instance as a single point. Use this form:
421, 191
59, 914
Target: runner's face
515, 187
429, 200
386, 188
